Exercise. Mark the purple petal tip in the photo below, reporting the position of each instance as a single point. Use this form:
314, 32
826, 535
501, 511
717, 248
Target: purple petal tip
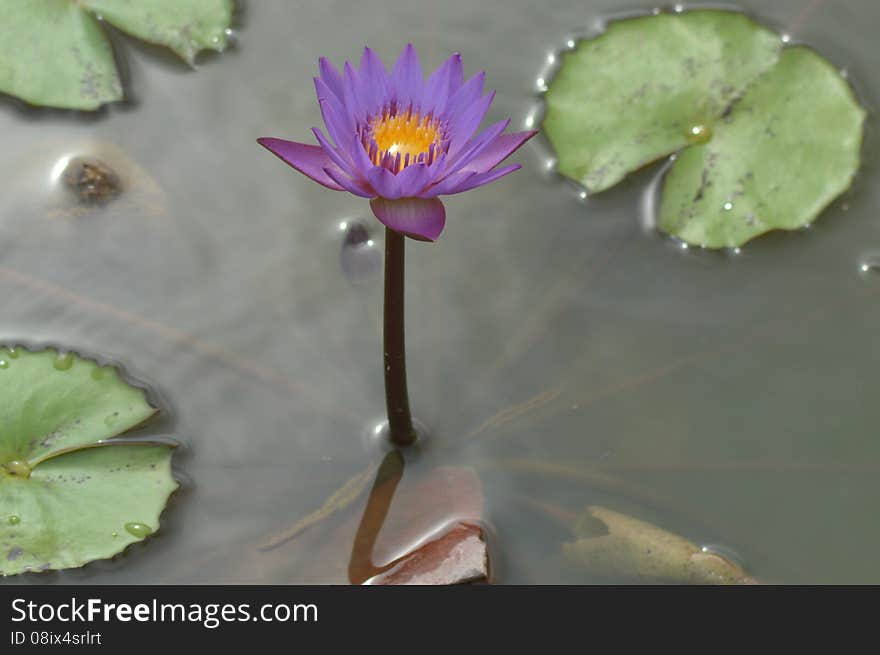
419, 218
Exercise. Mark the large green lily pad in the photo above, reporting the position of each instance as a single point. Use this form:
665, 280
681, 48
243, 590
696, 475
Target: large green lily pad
632, 95
55, 53
767, 135
788, 148
69, 493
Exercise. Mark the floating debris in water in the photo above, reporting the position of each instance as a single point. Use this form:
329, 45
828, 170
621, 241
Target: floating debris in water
93, 182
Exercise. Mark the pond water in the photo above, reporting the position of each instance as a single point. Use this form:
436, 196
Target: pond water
571, 355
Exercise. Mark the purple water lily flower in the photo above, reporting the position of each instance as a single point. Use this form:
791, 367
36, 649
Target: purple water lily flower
402, 141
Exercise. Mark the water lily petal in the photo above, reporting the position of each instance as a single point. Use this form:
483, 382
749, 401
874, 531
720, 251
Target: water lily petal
476, 146
331, 77
466, 96
479, 179
447, 185
497, 151
442, 84
355, 98
308, 160
407, 79
332, 152
466, 123
384, 182
334, 114
419, 218
350, 184
413, 179
375, 78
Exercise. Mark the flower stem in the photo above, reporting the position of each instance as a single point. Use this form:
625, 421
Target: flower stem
400, 427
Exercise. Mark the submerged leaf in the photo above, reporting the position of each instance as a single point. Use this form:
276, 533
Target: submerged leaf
613, 545
788, 148
54, 52
634, 94
768, 136
68, 497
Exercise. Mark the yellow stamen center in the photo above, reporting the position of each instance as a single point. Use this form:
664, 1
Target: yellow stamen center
404, 134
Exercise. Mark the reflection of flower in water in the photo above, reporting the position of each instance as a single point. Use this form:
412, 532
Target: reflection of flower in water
402, 141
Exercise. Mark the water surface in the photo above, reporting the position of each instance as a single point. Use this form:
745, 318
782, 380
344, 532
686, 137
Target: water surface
731, 398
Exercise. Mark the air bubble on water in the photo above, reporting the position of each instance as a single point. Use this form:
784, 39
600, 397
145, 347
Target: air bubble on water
727, 206
582, 195
530, 121
570, 43
359, 256
724, 552
4, 364
870, 263
541, 84
785, 37
551, 58
679, 8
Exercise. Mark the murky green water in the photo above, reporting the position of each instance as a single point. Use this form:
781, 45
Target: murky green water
729, 398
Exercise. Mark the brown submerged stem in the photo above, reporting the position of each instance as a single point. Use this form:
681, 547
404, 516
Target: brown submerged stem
400, 426
388, 476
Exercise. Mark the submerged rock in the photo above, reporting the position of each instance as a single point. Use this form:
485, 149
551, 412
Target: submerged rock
458, 556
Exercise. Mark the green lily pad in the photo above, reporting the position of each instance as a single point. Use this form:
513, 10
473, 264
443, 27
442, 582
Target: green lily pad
55, 53
67, 495
767, 136
788, 148
633, 95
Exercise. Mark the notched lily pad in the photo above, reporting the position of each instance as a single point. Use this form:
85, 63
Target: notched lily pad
67, 495
55, 53
768, 136
613, 545
788, 148
635, 93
